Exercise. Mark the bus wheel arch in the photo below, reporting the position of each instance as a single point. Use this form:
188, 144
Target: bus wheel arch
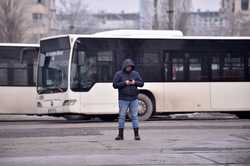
151, 96
146, 98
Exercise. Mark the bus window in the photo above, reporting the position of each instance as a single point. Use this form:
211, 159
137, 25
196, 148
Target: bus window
29, 57
150, 66
77, 61
104, 66
87, 71
248, 67
151, 58
178, 68
17, 69
167, 64
233, 67
215, 66
3, 72
145, 56
227, 67
20, 75
195, 68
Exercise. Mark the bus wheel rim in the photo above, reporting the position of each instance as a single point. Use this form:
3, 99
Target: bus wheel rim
142, 108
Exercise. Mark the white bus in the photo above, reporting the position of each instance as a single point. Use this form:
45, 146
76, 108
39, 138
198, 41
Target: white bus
181, 73
18, 64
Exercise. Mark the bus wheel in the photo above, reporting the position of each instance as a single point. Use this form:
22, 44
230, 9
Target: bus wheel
145, 107
76, 117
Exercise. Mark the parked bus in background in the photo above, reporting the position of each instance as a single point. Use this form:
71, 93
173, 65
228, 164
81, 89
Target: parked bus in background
181, 73
18, 68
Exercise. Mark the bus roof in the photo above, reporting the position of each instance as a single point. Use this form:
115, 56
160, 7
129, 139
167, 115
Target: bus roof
139, 33
18, 45
147, 34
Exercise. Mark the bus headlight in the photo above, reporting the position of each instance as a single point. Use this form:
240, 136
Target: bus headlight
39, 104
69, 102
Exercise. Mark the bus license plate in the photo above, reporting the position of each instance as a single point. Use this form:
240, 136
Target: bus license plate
52, 110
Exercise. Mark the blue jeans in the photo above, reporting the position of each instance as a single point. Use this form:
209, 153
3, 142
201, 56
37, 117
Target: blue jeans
133, 108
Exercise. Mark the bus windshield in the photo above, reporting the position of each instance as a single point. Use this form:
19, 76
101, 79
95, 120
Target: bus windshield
53, 67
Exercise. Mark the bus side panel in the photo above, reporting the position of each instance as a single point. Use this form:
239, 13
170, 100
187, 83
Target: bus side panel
102, 98
187, 97
17, 100
228, 96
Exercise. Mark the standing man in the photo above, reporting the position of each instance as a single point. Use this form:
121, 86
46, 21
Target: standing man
126, 81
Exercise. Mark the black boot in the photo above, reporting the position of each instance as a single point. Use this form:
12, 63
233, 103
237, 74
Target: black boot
120, 134
136, 131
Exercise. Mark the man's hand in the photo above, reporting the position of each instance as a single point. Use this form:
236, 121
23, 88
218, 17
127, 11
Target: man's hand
130, 82
127, 82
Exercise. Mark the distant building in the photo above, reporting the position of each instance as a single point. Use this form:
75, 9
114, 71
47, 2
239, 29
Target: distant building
206, 24
42, 17
26, 20
236, 6
97, 22
233, 19
237, 13
110, 21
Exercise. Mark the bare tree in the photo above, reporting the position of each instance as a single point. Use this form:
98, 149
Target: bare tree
170, 12
237, 21
148, 14
182, 17
73, 17
232, 19
12, 21
174, 14
165, 14
155, 20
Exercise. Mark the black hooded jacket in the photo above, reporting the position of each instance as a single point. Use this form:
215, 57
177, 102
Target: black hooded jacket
127, 92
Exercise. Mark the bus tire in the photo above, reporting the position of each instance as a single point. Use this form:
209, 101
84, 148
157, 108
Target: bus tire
146, 107
75, 117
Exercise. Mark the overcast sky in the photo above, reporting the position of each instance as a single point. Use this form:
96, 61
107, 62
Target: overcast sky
113, 5
134, 5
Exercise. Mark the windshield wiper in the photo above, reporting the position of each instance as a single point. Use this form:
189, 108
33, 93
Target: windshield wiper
51, 90
58, 88
44, 90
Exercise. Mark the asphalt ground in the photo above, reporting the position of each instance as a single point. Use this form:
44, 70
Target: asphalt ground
217, 139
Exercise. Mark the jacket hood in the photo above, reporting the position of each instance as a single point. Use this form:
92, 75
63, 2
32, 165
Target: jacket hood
126, 63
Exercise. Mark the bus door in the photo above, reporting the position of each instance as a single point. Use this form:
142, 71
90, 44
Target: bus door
98, 95
184, 89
